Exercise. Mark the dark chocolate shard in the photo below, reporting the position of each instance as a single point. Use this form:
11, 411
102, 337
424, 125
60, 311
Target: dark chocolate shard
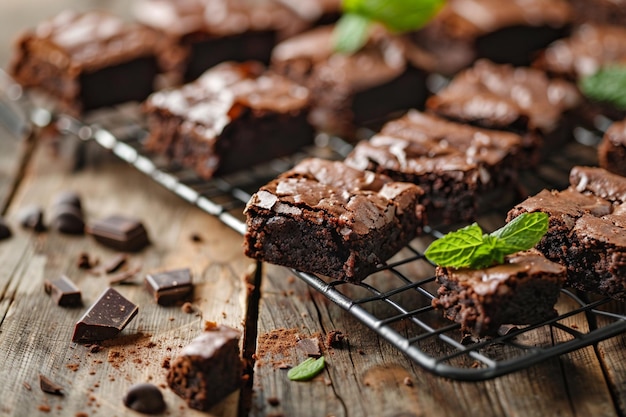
170, 286
106, 318
5, 231
115, 263
63, 291
67, 219
31, 217
145, 398
49, 387
310, 346
121, 233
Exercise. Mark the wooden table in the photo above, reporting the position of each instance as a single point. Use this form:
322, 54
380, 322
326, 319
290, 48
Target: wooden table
364, 377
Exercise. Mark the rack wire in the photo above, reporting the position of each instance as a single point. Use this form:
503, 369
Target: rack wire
395, 301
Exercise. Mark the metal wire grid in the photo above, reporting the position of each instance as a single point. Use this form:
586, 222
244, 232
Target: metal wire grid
394, 302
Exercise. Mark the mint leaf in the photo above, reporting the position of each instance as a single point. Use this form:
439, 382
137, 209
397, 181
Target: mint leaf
456, 249
470, 248
307, 369
608, 84
396, 15
523, 232
351, 33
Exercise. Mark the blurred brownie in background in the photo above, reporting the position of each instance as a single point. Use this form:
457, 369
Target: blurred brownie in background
600, 11
315, 12
90, 60
365, 88
612, 149
233, 116
214, 31
510, 31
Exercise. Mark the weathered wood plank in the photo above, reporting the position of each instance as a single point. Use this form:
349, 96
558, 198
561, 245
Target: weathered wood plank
35, 334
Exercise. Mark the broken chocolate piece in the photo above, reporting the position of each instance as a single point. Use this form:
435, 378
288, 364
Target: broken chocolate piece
68, 219
121, 233
106, 318
310, 346
63, 291
49, 387
123, 276
145, 398
170, 286
208, 369
5, 231
115, 263
31, 217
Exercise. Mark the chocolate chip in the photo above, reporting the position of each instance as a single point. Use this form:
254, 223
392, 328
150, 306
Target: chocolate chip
106, 318
170, 286
115, 263
145, 398
85, 262
63, 291
31, 217
49, 387
68, 198
5, 231
68, 219
121, 233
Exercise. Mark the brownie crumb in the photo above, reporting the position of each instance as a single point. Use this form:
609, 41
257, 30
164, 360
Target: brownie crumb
208, 325
45, 408
334, 339
73, 366
187, 307
407, 381
361, 352
166, 362
95, 348
81, 414
273, 401
85, 262
49, 387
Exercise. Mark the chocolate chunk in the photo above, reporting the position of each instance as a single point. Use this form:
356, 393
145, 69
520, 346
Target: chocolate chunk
106, 318
145, 398
70, 198
63, 291
334, 339
49, 387
115, 263
310, 346
31, 217
68, 219
170, 286
5, 231
85, 262
121, 233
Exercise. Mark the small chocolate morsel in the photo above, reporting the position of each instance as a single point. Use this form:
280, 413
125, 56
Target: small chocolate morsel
68, 219
170, 286
63, 291
70, 198
310, 346
145, 398
49, 387
121, 233
31, 217
105, 319
5, 231
115, 263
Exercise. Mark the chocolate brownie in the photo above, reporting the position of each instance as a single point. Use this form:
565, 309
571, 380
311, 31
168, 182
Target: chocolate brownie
590, 48
352, 90
213, 31
509, 31
522, 290
612, 149
600, 11
451, 162
504, 97
233, 116
587, 230
328, 218
208, 369
90, 60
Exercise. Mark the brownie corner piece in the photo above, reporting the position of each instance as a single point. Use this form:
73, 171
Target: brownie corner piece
208, 369
328, 218
523, 290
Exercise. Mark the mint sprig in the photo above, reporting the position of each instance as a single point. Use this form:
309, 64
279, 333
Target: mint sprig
469, 247
306, 370
608, 85
396, 15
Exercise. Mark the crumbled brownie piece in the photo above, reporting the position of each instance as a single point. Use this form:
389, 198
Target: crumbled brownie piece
328, 218
208, 369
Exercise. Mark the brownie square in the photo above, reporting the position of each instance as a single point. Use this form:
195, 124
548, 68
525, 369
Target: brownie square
522, 290
451, 162
612, 149
587, 230
234, 116
504, 97
327, 218
213, 31
89, 60
208, 369
353, 90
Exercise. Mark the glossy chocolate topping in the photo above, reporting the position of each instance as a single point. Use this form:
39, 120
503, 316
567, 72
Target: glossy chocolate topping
599, 182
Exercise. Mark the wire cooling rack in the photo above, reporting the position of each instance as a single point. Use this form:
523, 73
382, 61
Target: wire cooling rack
395, 301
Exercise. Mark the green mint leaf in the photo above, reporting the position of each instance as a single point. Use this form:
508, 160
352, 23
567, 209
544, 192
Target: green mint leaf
351, 32
456, 249
396, 15
523, 232
608, 84
488, 253
306, 370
